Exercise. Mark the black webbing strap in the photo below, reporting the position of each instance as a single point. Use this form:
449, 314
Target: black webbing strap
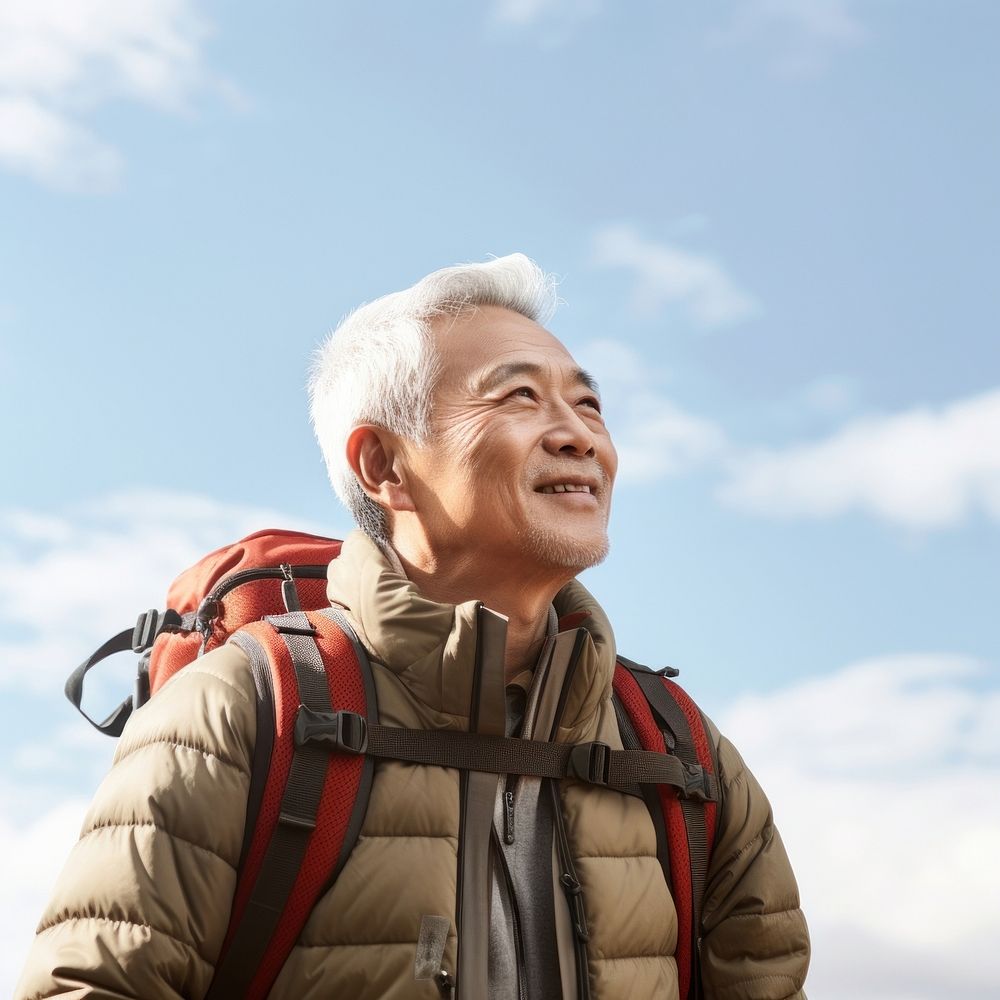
263, 744
594, 762
297, 819
138, 639
115, 722
671, 716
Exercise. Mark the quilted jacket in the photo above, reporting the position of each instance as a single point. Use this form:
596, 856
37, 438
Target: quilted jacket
141, 907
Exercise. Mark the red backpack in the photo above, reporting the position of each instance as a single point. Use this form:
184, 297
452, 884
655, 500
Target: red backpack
318, 737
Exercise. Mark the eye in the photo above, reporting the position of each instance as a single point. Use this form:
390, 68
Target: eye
525, 391
592, 401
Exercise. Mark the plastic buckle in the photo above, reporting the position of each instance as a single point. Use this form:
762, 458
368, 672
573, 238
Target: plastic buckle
352, 732
345, 731
590, 762
150, 624
697, 783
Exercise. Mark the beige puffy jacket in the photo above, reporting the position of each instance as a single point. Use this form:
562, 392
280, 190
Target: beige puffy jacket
141, 907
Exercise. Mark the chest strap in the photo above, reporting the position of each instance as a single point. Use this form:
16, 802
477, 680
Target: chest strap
594, 762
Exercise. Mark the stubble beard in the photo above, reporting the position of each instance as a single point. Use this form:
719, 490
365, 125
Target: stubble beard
560, 549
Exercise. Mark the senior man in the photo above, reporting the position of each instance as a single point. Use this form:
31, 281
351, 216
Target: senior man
472, 451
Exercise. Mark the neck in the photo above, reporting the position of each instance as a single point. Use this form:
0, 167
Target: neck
523, 596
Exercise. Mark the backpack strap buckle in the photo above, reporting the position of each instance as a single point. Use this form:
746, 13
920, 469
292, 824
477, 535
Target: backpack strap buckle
343, 731
699, 783
590, 762
150, 624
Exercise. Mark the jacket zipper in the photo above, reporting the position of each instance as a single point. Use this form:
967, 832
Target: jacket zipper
514, 916
508, 809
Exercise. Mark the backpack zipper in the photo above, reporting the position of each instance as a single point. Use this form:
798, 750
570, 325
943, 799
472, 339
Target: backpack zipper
209, 607
263, 573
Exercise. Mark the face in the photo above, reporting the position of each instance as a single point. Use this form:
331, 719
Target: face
519, 465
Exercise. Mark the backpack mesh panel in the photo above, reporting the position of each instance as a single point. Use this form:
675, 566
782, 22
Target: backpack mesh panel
285, 708
634, 701
340, 790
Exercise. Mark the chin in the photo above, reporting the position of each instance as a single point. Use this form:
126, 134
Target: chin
565, 551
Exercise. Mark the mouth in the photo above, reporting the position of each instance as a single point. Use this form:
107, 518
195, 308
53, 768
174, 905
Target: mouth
568, 487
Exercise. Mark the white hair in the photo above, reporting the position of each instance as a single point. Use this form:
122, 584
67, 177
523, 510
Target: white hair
379, 365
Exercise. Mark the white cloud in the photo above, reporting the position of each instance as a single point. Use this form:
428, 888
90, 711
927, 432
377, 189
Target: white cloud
60, 61
666, 275
882, 778
653, 435
922, 468
47, 145
74, 579
31, 855
803, 34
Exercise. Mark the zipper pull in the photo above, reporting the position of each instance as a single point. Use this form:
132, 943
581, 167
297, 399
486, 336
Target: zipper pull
508, 817
574, 896
445, 984
288, 592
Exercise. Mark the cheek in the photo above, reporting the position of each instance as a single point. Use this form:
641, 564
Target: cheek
611, 463
459, 440
481, 450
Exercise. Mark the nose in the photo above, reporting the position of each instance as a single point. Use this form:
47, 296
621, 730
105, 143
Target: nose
569, 434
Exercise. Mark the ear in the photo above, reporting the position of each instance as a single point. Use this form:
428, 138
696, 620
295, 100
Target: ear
376, 458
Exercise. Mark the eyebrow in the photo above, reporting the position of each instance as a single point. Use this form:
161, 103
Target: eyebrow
512, 369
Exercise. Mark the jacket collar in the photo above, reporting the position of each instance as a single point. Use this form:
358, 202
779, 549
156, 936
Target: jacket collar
431, 647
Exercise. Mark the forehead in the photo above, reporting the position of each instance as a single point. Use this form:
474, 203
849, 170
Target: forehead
475, 342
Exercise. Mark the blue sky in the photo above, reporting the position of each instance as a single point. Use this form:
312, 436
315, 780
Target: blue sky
775, 226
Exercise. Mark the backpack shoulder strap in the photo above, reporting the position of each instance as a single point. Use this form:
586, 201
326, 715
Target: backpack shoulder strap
655, 713
306, 805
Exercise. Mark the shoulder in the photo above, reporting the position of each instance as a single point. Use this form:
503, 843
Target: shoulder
209, 706
732, 767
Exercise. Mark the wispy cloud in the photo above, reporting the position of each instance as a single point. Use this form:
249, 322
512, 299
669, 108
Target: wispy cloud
923, 468
59, 62
667, 275
654, 436
75, 578
876, 774
802, 35
550, 21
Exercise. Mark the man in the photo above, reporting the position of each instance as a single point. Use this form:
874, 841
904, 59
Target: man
472, 451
